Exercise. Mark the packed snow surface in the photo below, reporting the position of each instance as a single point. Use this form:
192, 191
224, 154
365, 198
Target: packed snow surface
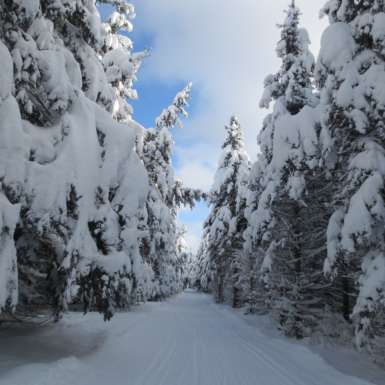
188, 340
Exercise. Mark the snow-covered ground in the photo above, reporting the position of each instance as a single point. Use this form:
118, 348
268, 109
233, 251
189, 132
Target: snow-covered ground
187, 340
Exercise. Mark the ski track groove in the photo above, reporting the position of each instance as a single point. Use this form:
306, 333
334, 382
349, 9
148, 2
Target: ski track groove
155, 364
195, 348
277, 369
164, 371
260, 355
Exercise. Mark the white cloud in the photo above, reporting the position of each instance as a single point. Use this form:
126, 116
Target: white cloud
194, 169
195, 175
226, 48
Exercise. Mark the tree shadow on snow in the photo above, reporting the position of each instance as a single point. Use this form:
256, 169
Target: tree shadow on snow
32, 344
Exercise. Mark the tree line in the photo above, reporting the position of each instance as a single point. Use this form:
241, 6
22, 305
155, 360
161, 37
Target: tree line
88, 197
300, 232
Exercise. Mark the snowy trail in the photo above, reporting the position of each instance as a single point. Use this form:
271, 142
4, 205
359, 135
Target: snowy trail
185, 341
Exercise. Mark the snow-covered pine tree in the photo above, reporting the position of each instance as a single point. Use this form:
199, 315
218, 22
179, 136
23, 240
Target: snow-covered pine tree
12, 175
203, 276
164, 198
291, 206
254, 288
226, 222
79, 26
81, 228
158, 145
293, 81
185, 259
44, 91
240, 265
120, 63
351, 73
289, 98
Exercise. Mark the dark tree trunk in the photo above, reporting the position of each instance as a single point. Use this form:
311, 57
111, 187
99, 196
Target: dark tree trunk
346, 300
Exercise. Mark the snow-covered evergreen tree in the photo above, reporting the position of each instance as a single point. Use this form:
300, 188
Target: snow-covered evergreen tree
166, 195
351, 73
293, 81
226, 221
73, 188
119, 61
12, 175
203, 276
253, 286
281, 237
185, 259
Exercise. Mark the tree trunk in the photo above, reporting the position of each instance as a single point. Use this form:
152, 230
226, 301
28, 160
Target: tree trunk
346, 299
220, 288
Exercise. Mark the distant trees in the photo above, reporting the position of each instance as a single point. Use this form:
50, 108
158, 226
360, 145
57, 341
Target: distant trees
224, 227
309, 244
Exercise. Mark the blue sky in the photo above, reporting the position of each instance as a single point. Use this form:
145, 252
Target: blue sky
154, 95
226, 48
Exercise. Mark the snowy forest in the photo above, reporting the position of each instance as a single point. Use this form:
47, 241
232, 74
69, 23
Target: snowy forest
299, 233
88, 196
89, 199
